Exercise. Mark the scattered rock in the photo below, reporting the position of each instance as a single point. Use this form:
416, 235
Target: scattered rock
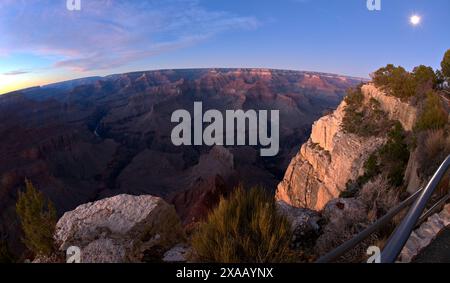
177, 254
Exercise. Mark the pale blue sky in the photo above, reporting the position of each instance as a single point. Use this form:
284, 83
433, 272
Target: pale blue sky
42, 42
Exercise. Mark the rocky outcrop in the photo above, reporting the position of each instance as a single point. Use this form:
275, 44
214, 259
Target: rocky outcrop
425, 234
325, 163
194, 204
123, 228
331, 157
397, 110
206, 184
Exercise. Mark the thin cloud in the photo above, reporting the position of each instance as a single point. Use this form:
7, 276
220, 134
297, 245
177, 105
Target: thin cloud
110, 33
16, 73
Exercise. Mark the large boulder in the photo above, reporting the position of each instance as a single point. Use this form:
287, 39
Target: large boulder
123, 228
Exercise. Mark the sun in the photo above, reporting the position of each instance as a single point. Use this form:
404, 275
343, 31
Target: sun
415, 20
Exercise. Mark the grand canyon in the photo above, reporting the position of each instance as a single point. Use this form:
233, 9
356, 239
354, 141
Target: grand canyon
93, 138
192, 134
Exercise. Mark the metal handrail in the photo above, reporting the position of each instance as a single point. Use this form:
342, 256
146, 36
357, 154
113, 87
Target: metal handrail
401, 234
441, 202
346, 246
398, 239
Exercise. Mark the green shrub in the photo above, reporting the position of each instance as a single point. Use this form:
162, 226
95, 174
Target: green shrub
395, 81
390, 160
435, 147
433, 116
394, 155
424, 75
37, 216
246, 228
371, 169
445, 64
354, 98
371, 166
425, 79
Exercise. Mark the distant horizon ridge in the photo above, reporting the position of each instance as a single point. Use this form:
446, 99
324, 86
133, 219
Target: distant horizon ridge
187, 69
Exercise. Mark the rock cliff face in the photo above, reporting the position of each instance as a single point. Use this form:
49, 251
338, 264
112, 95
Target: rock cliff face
332, 157
397, 110
123, 228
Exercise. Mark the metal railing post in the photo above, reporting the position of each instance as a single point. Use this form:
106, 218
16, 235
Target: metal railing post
342, 249
398, 239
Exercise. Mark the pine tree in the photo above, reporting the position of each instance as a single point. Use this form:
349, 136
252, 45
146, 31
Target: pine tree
38, 219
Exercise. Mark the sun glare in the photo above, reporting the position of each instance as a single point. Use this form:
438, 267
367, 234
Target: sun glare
415, 20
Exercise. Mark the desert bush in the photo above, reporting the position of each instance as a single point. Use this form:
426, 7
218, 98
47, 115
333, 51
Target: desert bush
379, 197
245, 228
37, 216
372, 201
434, 115
435, 148
435, 143
340, 227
